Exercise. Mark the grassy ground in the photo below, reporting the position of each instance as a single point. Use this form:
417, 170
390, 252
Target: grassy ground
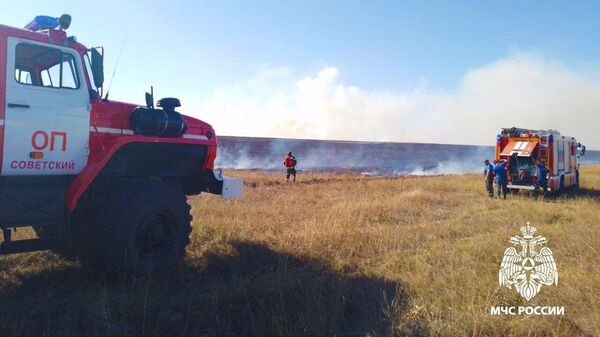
331, 255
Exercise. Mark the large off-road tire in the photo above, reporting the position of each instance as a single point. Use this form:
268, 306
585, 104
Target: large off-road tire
141, 226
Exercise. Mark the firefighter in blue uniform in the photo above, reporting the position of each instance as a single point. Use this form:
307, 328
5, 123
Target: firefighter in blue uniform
542, 177
501, 177
488, 177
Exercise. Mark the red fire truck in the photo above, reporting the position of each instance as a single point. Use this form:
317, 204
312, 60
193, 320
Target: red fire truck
108, 176
521, 148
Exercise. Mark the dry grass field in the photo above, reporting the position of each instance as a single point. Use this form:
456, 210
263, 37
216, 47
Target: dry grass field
330, 255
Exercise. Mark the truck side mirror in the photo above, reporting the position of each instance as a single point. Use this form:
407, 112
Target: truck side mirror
97, 68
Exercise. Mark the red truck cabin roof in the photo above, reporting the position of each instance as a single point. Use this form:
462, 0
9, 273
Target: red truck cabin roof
53, 36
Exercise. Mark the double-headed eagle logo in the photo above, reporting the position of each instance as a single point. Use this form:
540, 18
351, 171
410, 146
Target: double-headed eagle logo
530, 267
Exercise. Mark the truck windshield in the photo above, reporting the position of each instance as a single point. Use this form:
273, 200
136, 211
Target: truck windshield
88, 69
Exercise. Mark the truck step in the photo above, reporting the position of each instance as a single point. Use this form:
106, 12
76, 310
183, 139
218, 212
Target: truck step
29, 245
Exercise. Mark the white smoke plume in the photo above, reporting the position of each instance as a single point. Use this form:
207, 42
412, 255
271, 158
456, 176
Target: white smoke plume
522, 89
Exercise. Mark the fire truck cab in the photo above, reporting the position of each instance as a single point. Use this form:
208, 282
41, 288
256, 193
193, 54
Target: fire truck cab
109, 176
522, 148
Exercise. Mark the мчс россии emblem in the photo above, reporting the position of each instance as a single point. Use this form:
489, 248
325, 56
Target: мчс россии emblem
528, 265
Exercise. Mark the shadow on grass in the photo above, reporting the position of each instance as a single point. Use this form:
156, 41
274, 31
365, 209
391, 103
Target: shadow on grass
585, 192
568, 193
254, 292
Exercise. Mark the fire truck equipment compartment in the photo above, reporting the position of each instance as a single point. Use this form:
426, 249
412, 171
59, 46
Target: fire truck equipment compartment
523, 148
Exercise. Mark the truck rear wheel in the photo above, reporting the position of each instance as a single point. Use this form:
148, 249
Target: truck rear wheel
142, 226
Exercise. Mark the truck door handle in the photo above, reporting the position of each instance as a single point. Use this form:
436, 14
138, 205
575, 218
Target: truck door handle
14, 105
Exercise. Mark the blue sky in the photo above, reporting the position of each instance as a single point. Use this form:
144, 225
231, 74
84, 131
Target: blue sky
199, 48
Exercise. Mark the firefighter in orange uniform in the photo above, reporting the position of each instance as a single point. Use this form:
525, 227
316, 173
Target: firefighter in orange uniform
290, 164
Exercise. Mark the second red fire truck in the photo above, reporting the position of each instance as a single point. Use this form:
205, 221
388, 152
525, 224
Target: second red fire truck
521, 148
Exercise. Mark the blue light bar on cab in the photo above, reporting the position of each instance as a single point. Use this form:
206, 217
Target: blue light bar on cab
42, 22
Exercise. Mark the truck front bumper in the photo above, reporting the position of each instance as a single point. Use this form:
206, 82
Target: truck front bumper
214, 182
522, 187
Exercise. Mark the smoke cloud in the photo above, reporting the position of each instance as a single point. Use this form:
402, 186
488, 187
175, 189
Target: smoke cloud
522, 89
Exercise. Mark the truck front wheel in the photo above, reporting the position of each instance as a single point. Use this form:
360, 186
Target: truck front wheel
142, 226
